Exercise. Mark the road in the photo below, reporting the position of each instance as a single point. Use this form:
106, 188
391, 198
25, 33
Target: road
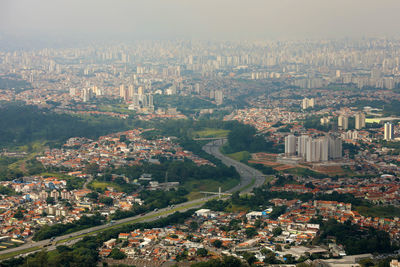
151, 216
247, 175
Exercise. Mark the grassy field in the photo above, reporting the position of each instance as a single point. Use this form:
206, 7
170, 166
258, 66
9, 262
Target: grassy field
379, 211
253, 181
104, 185
240, 156
269, 179
194, 187
121, 108
211, 133
305, 172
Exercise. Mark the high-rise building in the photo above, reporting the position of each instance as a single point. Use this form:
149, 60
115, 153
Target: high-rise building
219, 97
308, 103
136, 101
86, 94
290, 144
131, 91
321, 149
352, 135
122, 91
343, 122
140, 90
360, 120
388, 131
301, 145
150, 101
335, 148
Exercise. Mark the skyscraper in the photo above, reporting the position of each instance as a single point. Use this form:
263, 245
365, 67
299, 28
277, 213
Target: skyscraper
388, 131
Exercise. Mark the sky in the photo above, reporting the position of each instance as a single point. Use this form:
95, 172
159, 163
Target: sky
201, 19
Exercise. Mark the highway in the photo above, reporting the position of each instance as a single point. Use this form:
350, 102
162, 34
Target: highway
151, 216
247, 174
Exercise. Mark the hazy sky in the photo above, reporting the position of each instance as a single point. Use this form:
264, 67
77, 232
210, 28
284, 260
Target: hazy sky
202, 19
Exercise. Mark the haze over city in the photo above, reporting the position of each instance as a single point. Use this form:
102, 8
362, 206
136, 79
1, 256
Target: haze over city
208, 19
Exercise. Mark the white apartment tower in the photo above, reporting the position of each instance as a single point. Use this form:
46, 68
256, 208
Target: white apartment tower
360, 120
388, 131
301, 145
343, 122
308, 103
290, 144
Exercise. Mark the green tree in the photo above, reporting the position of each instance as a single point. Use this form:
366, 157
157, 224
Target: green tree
107, 201
50, 200
277, 231
217, 243
202, 252
92, 195
193, 226
18, 214
249, 257
251, 232
117, 254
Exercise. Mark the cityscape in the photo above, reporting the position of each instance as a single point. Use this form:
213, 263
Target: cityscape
199, 134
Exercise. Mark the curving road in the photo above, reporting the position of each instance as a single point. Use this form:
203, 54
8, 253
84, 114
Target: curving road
247, 173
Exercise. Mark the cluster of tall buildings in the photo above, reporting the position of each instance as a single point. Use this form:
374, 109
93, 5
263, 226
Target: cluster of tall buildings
142, 102
359, 121
86, 94
313, 149
139, 99
128, 92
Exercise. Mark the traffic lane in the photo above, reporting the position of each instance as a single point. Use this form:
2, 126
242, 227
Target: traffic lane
246, 172
101, 227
